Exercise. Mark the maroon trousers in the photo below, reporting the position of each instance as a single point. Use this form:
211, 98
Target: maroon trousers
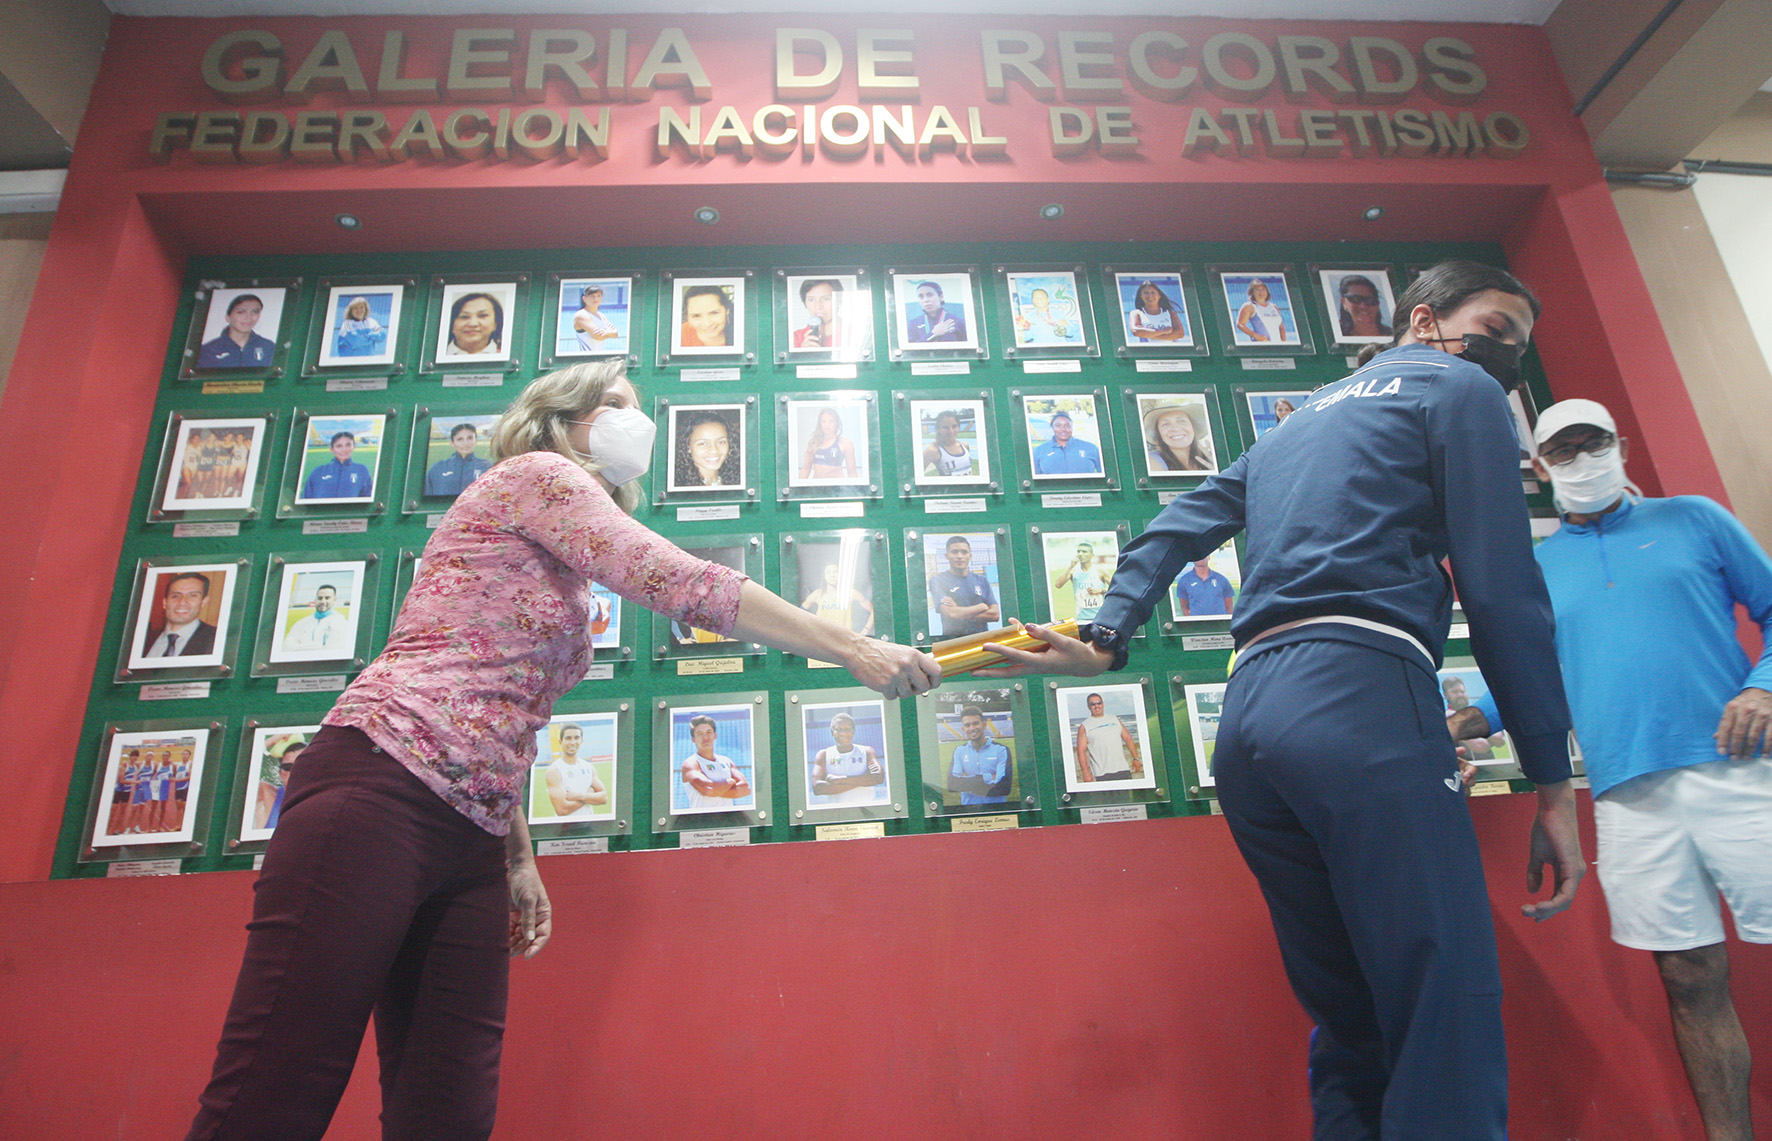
375, 896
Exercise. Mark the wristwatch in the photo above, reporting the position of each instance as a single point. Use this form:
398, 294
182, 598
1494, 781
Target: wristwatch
1106, 638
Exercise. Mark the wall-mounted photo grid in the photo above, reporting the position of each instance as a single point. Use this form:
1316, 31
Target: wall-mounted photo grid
907, 449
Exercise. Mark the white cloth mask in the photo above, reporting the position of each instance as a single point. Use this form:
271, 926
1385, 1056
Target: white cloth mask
620, 440
1588, 484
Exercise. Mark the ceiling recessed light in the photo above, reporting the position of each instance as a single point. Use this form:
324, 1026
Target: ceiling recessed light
1373, 213
348, 221
706, 215
1052, 211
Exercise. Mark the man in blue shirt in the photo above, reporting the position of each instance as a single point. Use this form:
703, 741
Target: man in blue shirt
1670, 714
1204, 592
961, 596
980, 769
452, 474
340, 477
1064, 454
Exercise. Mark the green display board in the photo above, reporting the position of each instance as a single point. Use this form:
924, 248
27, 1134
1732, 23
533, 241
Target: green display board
300, 455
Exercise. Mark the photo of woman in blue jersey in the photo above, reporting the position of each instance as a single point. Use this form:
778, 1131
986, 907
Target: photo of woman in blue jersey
240, 329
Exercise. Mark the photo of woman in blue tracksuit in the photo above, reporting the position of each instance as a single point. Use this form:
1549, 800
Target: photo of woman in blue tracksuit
1333, 765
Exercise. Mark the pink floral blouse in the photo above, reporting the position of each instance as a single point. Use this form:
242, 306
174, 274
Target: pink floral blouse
497, 627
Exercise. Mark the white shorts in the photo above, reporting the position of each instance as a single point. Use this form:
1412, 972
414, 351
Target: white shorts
1671, 841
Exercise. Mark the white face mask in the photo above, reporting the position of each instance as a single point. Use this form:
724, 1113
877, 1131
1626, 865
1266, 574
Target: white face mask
1588, 484
620, 439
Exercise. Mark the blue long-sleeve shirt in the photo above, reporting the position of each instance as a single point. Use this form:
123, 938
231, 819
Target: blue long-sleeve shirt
1350, 505
1645, 603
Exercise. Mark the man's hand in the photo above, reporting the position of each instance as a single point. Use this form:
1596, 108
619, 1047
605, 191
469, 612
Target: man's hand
1067, 655
1556, 842
1746, 721
893, 670
532, 917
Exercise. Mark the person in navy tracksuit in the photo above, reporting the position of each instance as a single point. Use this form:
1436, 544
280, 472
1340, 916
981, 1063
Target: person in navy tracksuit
1333, 765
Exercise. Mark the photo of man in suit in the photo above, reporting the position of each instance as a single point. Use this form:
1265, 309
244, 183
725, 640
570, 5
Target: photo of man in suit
183, 633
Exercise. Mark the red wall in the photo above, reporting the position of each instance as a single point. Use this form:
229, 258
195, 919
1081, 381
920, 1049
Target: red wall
1058, 982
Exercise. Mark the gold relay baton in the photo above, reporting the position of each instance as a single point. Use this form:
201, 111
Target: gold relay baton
963, 655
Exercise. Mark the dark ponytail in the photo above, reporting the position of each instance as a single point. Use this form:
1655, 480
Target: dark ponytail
1445, 287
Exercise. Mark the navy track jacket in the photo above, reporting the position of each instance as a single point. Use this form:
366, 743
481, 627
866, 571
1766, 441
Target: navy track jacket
1350, 504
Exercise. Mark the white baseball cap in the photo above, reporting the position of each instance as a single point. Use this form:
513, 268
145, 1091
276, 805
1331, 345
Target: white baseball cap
1567, 413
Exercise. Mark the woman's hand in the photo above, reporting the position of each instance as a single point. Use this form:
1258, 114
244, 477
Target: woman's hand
532, 916
892, 670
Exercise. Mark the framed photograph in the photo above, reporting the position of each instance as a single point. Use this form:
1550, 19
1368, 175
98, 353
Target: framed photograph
839, 575
318, 613
608, 635
966, 579
1077, 567
449, 451
710, 762
974, 742
1268, 410
362, 324
336, 458
209, 467
183, 618
704, 316
1047, 313
829, 445
1259, 312
948, 443
678, 639
1103, 738
150, 781
934, 314
1461, 684
1155, 314
577, 769
1358, 305
237, 328
267, 756
1207, 590
1176, 434
824, 316
1201, 706
476, 323
709, 448
846, 757
1066, 437
593, 316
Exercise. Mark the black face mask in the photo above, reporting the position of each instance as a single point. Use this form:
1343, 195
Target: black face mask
1497, 358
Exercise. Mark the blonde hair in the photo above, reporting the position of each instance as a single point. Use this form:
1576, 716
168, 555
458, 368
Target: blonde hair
539, 420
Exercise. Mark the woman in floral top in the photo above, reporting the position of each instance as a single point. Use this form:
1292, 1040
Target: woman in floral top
400, 877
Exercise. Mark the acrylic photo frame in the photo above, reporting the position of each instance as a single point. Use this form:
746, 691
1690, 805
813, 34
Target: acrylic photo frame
706, 450
360, 326
137, 813
212, 468
1197, 700
688, 786
977, 763
204, 598
818, 457
563, 801
1074, 567
1174, 324
950, 572
261, 776
674, 639
823, 315
317, 613
704, 318
1244, 317
842, 575
1077, 455
309, 487
436, 469
475, 323
1261, 410
947, 444
845, 757
1195, 603
1173, 434
935, 313
1462, 684
1046, 312
591, 316
228, 341
1357, 303
1087, 755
